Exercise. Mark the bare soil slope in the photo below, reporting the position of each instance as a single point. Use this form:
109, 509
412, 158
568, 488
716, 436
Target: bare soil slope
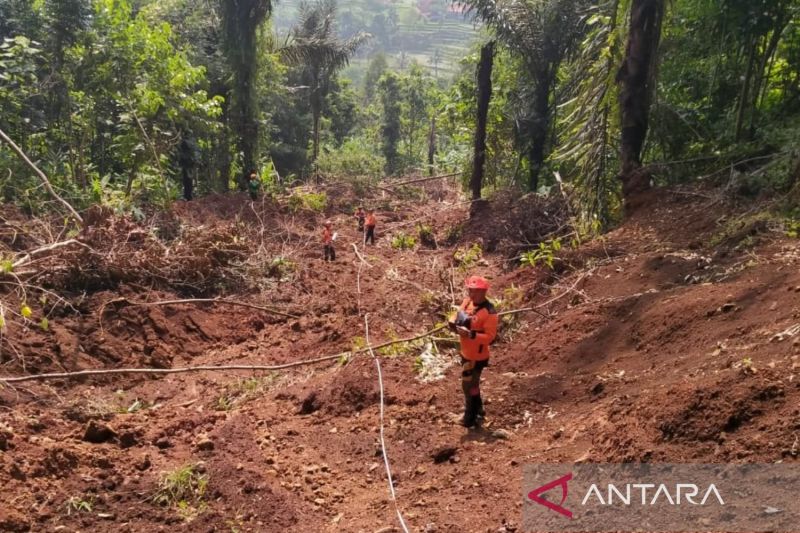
666, 340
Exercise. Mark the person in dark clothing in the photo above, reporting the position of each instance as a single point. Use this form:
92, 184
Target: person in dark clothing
186, 161
360, 216
327, 241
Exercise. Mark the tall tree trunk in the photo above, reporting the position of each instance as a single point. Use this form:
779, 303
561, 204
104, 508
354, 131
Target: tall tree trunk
636, 79
484, 83
224, 149
432, 146
764, 70
241, 20
539, 126
248, 134
316, 117
743, 96
315, 140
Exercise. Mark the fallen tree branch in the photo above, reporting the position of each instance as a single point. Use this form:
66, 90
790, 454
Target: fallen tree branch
201, 300
48, 248
218, 368
361, 257
19, 229
17, 150
209, 368
183, 370
420, 180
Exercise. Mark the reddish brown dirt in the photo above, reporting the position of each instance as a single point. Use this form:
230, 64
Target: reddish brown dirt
658, 347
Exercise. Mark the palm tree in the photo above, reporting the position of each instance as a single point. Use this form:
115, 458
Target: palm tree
541, 33
314, 45
483, 80
636, 78
241, 20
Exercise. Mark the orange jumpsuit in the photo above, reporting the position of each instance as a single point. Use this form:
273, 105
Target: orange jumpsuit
475, 354
327, 241
370, 225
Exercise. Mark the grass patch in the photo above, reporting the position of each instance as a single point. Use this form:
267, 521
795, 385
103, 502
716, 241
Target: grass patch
513, 298
426, 235
183, 489
243, 390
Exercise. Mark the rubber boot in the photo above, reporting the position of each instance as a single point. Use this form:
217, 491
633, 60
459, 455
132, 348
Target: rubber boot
470, 412
480, 412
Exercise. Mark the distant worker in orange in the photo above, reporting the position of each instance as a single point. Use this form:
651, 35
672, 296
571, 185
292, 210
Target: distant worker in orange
370, 222
476, 324
328, 236
360, 216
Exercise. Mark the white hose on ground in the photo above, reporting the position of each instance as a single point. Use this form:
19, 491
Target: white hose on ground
383, 441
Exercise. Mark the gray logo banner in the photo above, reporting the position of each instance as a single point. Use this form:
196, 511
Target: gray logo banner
661, 497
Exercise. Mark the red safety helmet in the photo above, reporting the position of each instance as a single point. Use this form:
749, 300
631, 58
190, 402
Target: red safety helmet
476, 282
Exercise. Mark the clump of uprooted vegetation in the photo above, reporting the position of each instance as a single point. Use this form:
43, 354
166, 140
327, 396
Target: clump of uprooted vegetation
164, 252
510, 224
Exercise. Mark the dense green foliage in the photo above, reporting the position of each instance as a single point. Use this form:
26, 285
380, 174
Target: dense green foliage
128, 102
724, 88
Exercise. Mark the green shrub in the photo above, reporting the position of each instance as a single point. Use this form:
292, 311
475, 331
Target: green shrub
281, 268
80, 504
466, 258
454, 233
792, 228
426, 236
398, 348
401, 241
352, 158
310, 201
545, 253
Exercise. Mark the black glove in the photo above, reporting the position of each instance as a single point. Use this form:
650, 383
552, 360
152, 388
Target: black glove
462, 319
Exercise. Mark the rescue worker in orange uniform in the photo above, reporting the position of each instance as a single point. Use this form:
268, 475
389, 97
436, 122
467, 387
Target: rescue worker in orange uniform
476, 324
370, 225
327, 241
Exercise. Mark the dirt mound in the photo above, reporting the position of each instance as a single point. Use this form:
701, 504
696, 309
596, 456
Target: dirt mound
730, 419
509, 223
354, 390
716, 411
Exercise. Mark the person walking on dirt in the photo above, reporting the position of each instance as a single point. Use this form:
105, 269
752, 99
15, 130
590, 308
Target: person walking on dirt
476, 324
327, 241
370, 222
253, 185
360, 216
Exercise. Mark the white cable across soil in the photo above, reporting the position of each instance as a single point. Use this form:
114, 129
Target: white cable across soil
383, 441
218, 368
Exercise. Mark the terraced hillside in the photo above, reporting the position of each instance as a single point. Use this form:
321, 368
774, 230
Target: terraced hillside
404, 31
